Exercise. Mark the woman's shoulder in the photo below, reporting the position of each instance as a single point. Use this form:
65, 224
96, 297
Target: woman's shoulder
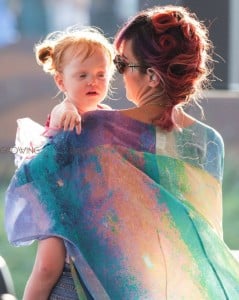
211, 143
108, 116
210, 133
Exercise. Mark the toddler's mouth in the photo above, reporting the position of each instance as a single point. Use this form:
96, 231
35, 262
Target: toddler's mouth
91, 93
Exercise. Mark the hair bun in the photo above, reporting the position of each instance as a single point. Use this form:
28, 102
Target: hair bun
44, 54
167, 42
160, 22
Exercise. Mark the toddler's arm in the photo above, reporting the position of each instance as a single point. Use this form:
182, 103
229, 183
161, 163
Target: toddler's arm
66, 116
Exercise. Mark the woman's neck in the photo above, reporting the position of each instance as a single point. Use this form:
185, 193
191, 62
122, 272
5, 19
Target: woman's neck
145, 113
151, 96
150, 112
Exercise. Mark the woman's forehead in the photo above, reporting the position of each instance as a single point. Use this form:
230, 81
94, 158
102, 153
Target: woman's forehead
126, 50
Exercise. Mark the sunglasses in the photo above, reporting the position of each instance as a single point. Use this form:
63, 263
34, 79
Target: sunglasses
121, 64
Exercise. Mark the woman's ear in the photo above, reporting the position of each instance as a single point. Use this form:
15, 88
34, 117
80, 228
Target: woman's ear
58, 77
154, 77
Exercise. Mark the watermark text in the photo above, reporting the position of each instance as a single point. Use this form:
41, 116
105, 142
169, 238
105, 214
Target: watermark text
20, 150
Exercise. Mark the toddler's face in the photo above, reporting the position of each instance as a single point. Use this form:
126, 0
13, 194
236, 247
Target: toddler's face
86, 80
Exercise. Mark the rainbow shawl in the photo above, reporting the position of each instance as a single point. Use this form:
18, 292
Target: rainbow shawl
139, 209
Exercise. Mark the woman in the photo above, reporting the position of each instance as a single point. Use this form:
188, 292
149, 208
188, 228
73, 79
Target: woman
137, 196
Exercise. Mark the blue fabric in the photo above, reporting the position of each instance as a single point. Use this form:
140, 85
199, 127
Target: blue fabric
65, 287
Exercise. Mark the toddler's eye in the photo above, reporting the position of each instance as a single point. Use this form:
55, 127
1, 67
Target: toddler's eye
83, 75
102, 75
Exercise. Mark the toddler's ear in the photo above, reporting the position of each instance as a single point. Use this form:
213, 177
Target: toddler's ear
58, 77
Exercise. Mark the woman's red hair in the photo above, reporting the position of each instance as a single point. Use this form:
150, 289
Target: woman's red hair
175, 43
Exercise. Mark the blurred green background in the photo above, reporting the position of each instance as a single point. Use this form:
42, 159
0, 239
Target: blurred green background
25, 91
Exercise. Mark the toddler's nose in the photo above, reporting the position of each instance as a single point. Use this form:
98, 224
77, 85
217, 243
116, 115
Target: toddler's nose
92, 80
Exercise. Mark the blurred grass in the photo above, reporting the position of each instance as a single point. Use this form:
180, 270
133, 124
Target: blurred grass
231, 201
